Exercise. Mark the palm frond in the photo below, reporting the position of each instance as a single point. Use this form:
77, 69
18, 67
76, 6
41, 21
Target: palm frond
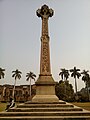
30, 75
60, 73
78, 69
34, 75
72, 75
2, 73
17, 74
13, 71
27, 79
84, 78
78, 75
1, 69
64, 73
84, 72
13, 75
71, 70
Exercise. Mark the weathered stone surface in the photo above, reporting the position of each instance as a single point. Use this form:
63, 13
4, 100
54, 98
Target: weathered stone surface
45, 111
45, 84
45, 105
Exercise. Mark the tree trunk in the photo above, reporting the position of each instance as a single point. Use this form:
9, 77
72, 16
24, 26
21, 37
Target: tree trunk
75, 85
65, 85
4, 91
76, 97
30, 87
88, 92
14, 89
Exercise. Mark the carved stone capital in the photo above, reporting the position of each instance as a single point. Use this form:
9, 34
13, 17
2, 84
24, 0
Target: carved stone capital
45, 12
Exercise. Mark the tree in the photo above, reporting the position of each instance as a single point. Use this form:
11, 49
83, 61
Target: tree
30, 76
83, 96
86, 79
59, 89
75, 74
2, 74
64, 75
16, 75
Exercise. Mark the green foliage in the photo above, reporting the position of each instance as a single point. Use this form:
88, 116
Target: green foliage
83, 95
2, 74
64, 74
16, 74
86, 77
75, 73
89, 83
67, 95
83, 98
30, 75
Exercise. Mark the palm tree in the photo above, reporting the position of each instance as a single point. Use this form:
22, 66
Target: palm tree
2, 74
67, 75
64, 75
16, 75
30, 76
75, 74
86, 79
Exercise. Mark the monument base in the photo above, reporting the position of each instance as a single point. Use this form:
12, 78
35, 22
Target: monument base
45, 90
45, 98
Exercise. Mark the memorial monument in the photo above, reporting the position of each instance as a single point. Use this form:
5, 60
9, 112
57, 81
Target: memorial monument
45, 105
45, 84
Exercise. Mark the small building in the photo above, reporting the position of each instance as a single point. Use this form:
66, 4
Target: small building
21, 92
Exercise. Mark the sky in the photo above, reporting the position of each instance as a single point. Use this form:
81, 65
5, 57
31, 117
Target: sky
20, 32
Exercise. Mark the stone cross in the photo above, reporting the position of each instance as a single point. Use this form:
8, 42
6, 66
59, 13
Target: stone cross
45, 84
45, 13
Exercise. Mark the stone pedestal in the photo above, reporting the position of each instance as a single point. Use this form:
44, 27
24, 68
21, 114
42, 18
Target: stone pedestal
45, 90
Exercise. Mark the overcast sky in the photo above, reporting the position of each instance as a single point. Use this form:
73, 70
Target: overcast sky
20, 32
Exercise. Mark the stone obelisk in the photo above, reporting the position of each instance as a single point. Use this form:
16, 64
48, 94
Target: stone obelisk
45, 84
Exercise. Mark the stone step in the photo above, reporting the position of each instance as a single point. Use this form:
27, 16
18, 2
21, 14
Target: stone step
60, 102
60, 113
43, 105
46, 118
43, 109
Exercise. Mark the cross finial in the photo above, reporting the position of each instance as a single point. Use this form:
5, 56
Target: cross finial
45, 12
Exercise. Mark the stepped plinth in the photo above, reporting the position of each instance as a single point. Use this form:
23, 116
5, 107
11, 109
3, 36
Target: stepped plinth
45, 111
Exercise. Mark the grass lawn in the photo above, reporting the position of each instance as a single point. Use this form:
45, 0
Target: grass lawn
2, 106
84, 105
